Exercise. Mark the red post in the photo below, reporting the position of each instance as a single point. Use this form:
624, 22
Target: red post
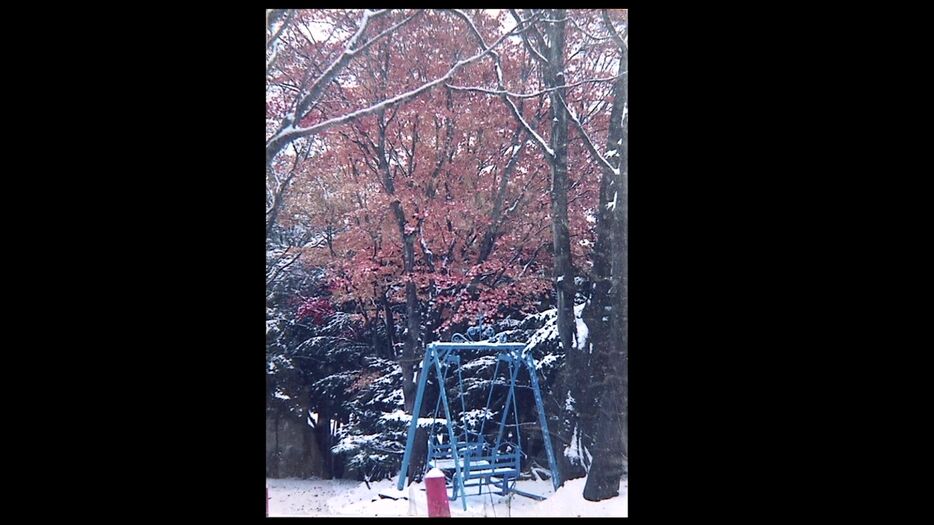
437, 494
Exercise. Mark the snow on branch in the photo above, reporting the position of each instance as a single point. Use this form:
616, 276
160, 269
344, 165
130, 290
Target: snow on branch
273, 42
338, 65
278, 33
538, 138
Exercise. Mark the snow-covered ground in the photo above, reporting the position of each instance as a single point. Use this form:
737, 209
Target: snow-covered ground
318, 497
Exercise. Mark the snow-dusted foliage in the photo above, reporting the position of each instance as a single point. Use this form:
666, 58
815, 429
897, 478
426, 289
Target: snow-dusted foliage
327, 365
545, 347
373, 441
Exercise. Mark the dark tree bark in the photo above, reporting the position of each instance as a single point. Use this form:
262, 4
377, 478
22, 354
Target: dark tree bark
570, 382
390, 327
323, 440
411, 350
410, 353
611, 439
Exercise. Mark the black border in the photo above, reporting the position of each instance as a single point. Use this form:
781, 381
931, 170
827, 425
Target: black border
758, 373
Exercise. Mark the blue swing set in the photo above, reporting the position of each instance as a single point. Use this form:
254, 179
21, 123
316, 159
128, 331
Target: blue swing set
474, 459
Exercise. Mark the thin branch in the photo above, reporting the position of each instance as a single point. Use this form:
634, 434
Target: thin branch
282, 268
538, 56
538, 139
499, 81
589, 35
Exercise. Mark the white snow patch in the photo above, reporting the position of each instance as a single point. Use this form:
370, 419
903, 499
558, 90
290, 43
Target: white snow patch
400, 415
612, 205
548, 360
548, 331
571, 451
582, 331
340, 497
435, 473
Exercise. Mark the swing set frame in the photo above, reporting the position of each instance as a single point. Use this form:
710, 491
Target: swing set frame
476, 462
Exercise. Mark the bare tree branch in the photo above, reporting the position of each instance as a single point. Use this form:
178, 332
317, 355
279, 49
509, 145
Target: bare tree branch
290, 132
352, 48
279, 197
499, 81
281, 269
609, 26
530, 95
588, 34
589, 143
534, 52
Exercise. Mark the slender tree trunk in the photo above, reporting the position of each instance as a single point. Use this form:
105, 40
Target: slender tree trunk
496, 216
276, 453
410, 352
390, 328
597, 313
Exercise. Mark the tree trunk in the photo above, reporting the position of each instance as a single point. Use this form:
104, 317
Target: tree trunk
410, 352
611, 446
568, 382
390, 327
314, 462
323, 438
563, 268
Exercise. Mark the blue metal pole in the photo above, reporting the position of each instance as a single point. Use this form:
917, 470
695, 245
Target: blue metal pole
513, 371
434, 416
543, 421
515, 413
489, 398
460, 394
458, 472
416, 410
